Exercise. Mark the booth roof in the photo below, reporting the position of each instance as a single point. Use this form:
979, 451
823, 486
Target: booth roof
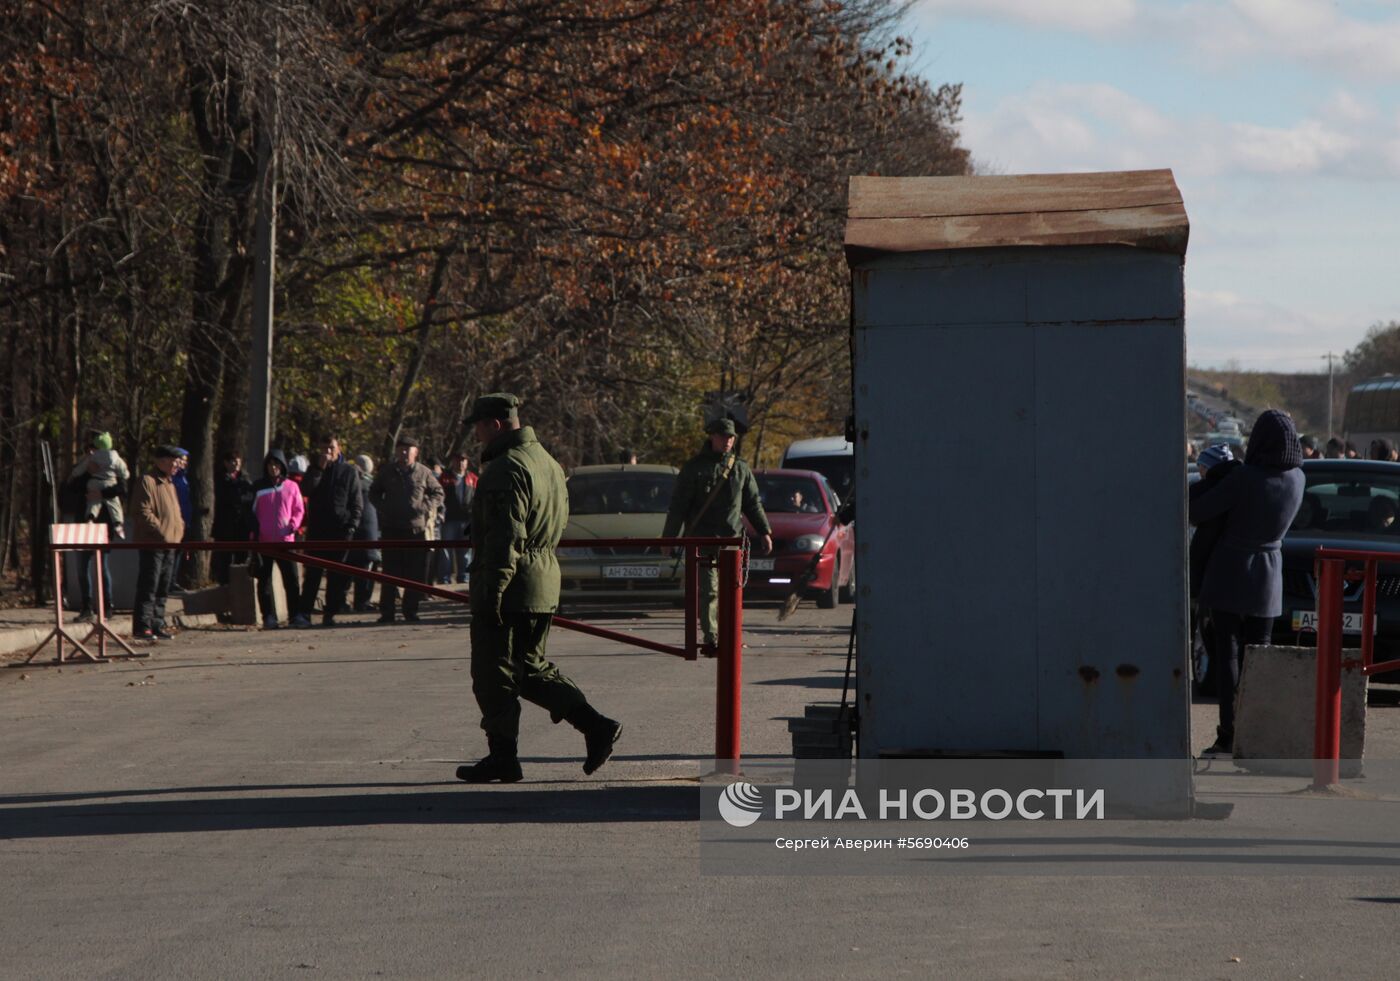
1136, 208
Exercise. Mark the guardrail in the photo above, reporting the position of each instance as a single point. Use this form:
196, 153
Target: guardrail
1331, 572
726, 553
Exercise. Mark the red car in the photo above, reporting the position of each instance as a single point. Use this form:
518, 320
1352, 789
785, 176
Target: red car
801, 507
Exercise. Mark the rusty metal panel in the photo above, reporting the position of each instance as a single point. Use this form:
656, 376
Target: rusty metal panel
1139, 209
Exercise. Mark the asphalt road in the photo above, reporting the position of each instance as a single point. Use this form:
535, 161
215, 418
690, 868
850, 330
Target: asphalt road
282, 805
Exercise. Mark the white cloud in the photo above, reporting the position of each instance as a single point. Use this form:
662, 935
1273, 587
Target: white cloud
1089, 16
1058, 127
1315, 33
1065, 127
1222, 325
1345, 106
1311, 147
1311, 32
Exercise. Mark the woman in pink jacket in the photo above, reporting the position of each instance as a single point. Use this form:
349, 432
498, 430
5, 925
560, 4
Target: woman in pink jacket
277, 514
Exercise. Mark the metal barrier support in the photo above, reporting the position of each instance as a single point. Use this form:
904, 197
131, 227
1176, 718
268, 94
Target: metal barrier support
79, 537
1331, 571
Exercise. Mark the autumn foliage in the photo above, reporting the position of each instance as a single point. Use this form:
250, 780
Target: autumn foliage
610, 207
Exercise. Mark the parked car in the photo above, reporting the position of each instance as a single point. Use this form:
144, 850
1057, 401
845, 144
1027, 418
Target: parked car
801, 507
619, 501
1346, 504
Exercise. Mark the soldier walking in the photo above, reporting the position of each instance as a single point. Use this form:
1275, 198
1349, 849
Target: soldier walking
518, 516
714, 492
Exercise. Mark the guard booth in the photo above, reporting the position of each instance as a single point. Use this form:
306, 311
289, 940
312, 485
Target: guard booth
1019, 391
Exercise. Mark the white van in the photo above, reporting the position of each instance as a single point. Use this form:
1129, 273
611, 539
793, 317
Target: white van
831, 456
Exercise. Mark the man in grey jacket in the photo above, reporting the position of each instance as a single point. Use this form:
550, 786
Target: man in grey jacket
407, 496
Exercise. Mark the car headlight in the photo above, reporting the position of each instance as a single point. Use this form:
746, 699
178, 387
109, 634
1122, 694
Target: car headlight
808, 543
574, 553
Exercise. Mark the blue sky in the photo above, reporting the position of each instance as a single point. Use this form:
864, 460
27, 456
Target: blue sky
1280, 119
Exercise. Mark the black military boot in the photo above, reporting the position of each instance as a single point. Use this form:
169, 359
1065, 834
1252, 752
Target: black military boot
499, 765
599, 735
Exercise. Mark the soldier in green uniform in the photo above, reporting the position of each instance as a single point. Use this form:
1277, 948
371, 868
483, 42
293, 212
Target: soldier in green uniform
518, 517
714, 492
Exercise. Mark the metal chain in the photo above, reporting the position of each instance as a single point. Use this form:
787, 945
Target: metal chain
744, 573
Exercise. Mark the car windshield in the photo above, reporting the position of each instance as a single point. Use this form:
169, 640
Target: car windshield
620, 493
1348, 505
790, 495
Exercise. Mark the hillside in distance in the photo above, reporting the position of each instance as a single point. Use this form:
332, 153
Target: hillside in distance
1303, 396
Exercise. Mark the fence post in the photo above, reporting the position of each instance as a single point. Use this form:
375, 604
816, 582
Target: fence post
728, 704
1327, 736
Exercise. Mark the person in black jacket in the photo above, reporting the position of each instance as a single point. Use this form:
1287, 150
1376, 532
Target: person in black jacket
1242, 584
1215, 464
233, 499
336, 502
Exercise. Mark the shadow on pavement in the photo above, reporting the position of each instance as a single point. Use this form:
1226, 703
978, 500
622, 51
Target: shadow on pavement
519, 804
817, 681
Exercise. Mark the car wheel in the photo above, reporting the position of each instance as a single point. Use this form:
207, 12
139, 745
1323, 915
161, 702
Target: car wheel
826, 599
848, 591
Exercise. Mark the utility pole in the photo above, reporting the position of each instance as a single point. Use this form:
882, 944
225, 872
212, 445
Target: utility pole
265, 257
1329, 356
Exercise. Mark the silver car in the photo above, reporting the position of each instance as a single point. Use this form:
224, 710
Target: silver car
619, 501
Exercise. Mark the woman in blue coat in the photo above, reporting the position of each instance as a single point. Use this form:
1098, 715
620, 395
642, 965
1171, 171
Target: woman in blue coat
1243, 582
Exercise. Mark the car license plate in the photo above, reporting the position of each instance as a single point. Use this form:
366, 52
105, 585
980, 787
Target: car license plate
761, 565
631, 572
1307, 620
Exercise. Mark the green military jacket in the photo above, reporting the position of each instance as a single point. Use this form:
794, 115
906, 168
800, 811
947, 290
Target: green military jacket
737, 499
518, 516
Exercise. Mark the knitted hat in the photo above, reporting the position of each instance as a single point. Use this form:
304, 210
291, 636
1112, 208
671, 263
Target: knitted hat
1212, 456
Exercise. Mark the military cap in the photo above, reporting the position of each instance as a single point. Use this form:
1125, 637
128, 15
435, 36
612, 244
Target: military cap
723, 427
405, 440
167, 452
497, 405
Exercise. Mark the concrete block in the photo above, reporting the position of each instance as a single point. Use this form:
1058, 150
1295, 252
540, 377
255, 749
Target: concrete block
1274, 712
214, 599
242, 595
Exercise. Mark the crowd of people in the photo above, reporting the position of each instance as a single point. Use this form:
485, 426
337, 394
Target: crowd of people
1335, 448
344, 506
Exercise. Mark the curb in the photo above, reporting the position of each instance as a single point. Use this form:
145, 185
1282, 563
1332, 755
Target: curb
18, 640
22, 639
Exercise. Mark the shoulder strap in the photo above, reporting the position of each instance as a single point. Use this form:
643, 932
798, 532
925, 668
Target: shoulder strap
714, 492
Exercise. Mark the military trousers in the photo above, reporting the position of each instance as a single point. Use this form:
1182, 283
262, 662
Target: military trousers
508, 664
